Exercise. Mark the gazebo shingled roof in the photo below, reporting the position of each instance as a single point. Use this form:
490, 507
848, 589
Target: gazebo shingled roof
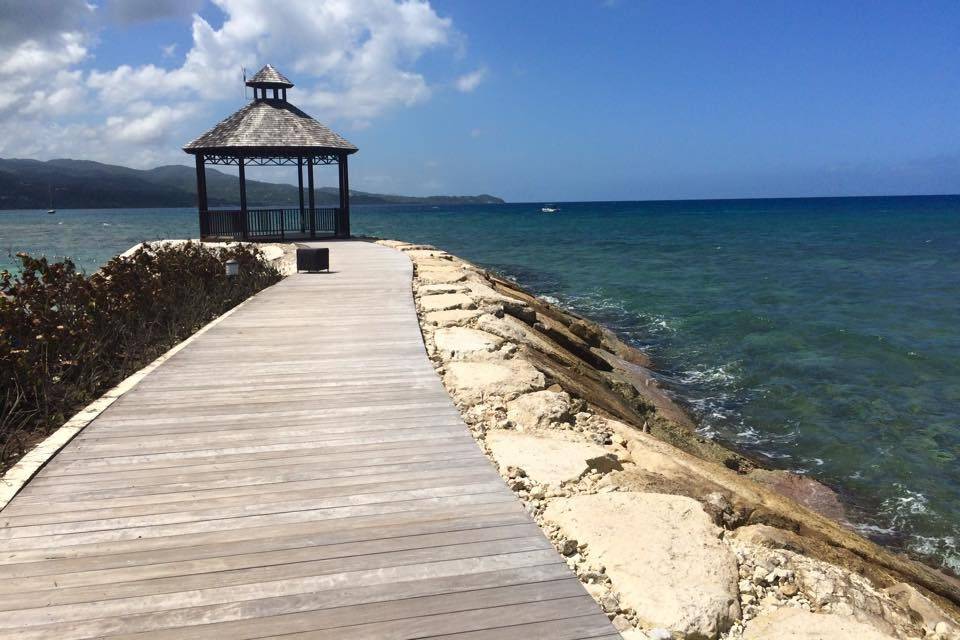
269, 123
271, 131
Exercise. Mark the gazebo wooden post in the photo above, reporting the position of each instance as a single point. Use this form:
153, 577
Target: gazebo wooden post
303, 220
313, 210
202, 197
243, 202
343, 221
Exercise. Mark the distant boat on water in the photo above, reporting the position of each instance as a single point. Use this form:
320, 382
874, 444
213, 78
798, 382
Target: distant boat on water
549, 208
51, 210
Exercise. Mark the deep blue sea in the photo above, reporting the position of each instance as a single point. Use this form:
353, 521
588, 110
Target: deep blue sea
819, 335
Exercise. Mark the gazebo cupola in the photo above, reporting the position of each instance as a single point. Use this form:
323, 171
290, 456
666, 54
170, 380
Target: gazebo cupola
269, 131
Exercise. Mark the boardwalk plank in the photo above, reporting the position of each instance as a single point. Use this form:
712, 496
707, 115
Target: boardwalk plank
244, 610
296, 471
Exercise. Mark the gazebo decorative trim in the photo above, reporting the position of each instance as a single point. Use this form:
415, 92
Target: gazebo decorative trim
269, 131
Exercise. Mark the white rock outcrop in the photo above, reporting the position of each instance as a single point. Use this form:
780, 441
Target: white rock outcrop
434, 289
790, 623
441, 275
457, 343
546, 460
471, 382
912, 600
444, 301
450, 317
663, 554
539, 409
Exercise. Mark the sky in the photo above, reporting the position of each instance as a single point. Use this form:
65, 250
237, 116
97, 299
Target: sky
530, 101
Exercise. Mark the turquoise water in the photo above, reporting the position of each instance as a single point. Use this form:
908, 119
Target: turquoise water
819, 335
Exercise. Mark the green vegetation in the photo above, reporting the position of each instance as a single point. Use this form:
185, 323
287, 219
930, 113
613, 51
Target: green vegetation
65, 338
81, 184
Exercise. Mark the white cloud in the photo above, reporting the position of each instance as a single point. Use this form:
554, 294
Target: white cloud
145, 122
352, 61
60, 97
34, 63
475, 133
470, 81
32, 57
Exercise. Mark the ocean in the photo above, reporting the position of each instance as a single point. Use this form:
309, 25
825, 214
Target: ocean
817, 335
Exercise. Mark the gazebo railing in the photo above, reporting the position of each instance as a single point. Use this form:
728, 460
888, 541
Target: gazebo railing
261, 224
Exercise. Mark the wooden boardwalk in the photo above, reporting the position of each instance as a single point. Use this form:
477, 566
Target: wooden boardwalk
298, 471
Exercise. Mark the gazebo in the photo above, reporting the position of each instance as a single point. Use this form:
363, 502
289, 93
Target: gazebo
269, 131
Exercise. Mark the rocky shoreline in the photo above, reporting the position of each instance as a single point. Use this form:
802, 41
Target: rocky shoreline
673, 534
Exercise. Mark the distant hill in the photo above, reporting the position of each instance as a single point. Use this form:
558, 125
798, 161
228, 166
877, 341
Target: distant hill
82, 184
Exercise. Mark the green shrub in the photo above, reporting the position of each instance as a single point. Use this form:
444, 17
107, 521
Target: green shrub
65, 338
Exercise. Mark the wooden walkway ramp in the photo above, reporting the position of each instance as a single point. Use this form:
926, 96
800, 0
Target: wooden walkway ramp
298, 471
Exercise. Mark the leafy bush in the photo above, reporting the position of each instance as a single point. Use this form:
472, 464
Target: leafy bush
65, 338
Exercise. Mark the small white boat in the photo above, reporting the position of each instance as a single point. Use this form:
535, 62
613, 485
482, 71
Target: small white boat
51, 210
549, 208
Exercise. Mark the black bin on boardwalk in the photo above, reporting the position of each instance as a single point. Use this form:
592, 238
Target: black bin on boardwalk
313, 259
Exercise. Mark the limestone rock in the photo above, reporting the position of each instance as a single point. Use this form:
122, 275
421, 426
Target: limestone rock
439, 262
764, 535
605, 463
461, 342
438, 276
451, 317
434, 289
427, 252
621, 623
411, 246
471, 382
645, 452
546, 460
833, 590
444, 301
789, 623
663, 554
911, 599
589, 332
486, 294
508, 328
394, 244
537, 410
805, 490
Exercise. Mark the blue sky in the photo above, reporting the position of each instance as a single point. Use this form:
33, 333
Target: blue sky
585, 100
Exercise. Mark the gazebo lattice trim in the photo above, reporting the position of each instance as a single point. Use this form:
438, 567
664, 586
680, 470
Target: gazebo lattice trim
275, 161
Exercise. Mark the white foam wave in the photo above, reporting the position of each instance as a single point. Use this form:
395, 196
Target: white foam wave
776, 455
945, 548
899, 508
873, 530
702, 374
657, 324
